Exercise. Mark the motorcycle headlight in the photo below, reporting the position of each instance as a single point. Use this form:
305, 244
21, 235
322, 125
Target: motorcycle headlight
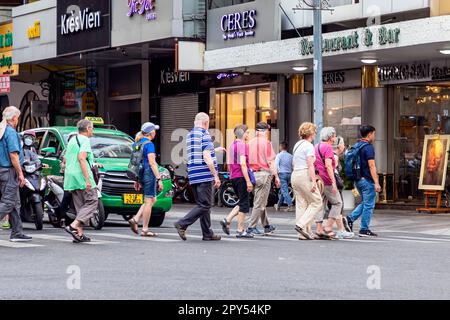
165, 175
30, 168
29, 185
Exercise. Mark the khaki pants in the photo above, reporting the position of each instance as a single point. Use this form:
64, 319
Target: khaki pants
86, 204
308, 204
261, 192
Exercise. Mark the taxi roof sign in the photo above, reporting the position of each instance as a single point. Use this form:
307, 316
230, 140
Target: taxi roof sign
96, 120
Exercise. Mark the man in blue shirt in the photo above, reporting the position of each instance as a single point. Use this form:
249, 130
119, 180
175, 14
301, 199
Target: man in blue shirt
11, 175
203, 177
367, 186
283, 162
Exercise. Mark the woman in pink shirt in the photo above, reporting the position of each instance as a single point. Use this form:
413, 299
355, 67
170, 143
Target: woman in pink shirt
238, 165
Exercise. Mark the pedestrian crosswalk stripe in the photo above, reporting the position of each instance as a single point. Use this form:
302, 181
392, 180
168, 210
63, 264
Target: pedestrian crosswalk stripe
422, 238
128, 237
411, 240
9, 244
68, 239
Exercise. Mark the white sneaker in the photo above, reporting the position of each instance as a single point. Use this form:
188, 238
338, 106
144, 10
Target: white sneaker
277, 208
345, 235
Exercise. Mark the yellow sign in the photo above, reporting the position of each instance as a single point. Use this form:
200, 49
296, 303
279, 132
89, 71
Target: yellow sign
88, 102
6, 47
80, 79
35, 31
95, 120
133, 199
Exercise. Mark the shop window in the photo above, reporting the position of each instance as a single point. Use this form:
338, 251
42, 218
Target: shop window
214, 4
342, 111
419, 110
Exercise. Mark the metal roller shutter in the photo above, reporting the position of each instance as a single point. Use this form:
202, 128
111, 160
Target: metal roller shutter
177, 112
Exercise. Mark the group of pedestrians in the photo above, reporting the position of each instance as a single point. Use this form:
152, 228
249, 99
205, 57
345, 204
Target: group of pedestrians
313, 172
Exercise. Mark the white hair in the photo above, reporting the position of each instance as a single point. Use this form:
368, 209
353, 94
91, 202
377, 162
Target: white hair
10, 112
327, 133
200, 119
83, 125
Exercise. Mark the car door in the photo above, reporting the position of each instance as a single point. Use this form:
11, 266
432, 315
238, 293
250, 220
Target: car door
52, 139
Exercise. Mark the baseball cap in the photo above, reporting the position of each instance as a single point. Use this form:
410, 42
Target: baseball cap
149, 127
262, 126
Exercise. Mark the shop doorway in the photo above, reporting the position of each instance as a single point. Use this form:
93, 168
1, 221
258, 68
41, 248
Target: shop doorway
420, 110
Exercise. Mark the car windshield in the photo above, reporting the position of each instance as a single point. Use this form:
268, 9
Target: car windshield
110, 146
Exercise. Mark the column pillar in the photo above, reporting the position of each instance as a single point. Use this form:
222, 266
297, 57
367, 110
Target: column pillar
375, 112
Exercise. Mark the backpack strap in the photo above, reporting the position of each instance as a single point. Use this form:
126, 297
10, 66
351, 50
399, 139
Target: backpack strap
295, 149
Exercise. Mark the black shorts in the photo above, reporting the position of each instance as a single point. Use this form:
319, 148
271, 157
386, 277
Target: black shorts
240, 187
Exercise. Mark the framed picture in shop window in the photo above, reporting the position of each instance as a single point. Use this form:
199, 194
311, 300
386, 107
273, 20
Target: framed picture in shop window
433, 171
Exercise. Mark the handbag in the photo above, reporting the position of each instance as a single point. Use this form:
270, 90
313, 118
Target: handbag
94, 169
337, 177
250, 172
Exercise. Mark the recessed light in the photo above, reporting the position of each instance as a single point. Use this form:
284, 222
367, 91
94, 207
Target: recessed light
369, 61
445, 51
300, 68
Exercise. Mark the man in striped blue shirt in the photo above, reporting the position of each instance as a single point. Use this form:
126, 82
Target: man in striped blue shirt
203, 177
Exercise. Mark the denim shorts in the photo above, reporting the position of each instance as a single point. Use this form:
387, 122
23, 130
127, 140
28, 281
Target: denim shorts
149, 185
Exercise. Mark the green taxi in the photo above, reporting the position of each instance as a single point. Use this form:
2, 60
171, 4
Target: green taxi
112, 150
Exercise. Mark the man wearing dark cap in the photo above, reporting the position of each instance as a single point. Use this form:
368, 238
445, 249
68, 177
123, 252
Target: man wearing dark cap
262, 162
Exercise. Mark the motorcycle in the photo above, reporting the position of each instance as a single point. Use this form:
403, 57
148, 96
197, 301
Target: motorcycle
180, 185
55, 197
32, 193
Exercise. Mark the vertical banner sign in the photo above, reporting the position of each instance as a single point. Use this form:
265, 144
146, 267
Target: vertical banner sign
5, 84
83, 25
6, 47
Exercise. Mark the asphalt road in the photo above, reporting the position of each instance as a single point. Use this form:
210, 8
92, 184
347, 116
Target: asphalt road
409, 260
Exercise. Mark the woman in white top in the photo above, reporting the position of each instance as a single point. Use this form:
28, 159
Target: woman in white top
308, 197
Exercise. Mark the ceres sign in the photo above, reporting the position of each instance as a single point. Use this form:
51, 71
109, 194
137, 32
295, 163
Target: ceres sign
239, 25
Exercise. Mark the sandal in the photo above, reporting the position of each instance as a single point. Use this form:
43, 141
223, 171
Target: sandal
133, 225
148, 233
73, 232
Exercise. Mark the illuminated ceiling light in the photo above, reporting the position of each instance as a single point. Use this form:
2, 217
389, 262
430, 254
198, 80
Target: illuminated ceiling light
300, 68
369, 61
445, 51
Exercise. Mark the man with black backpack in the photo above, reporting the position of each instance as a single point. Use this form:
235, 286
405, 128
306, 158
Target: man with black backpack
360, 167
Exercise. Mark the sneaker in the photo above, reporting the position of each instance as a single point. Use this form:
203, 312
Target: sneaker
225, 226
214, 237
181, 231
348, 224
255, 231
6, 225
345, 235
268, 230
367, 233
83, 238
244, 235
276, 207
21, 238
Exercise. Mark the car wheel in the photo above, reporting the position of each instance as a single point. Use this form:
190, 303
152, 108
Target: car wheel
157, 220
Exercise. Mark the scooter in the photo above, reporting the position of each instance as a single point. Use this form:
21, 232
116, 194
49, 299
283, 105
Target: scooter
32, 193
180, 185
55, 196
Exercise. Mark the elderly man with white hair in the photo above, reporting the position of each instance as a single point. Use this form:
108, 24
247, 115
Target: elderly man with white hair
203, 176
11, 175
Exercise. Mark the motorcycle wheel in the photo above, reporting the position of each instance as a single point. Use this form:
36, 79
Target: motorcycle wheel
98, 220
228, 197
38, 215
186, 196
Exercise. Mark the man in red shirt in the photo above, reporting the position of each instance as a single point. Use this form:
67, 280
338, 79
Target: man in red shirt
262, 163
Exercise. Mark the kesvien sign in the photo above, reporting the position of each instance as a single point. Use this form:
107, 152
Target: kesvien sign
238, 25
142, 7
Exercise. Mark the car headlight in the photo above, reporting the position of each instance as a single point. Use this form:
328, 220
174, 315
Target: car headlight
165, 175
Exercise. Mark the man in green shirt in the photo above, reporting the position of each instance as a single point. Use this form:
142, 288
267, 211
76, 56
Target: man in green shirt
79, 180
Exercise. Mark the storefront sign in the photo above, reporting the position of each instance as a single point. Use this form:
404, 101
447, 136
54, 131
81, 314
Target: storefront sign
80, 20
331, 78
5, 84
172, 77
414, 72
352, 41
35, 31
83, 25
238, 25
232, 75
142, 7
245, 23
6, 47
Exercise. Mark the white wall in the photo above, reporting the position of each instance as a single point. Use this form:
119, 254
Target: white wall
364, 9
